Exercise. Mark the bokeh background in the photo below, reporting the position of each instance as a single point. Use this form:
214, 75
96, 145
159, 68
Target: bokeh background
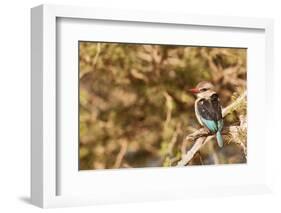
135, 109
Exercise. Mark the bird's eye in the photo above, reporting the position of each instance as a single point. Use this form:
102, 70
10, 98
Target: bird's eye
203, 89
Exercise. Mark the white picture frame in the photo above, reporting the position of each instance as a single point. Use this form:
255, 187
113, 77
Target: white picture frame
50, 188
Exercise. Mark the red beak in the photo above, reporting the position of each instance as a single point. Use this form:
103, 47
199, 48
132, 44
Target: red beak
194, 90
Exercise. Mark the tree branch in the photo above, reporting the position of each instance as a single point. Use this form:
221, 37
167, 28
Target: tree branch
202, 136
121, 154
233, 106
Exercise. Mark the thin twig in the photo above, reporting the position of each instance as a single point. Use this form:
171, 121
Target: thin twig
233, 106
174, 140
121, 154
169, 102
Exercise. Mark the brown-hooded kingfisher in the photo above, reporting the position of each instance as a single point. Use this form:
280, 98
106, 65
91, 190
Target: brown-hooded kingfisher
208, 109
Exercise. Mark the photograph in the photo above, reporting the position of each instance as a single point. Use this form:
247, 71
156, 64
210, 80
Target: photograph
161, 105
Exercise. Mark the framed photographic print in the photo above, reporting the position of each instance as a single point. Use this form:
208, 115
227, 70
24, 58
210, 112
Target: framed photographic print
130, 106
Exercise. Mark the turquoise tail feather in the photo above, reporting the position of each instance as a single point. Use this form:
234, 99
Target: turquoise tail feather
219, 139
210, 124
215, 127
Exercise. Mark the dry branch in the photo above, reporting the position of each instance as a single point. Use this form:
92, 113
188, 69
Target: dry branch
233, 106
121, 154
202, 136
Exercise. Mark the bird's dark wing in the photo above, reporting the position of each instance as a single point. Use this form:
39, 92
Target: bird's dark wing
216, 106
210, 109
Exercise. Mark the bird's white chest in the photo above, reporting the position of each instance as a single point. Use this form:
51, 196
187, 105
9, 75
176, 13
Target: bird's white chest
196, 111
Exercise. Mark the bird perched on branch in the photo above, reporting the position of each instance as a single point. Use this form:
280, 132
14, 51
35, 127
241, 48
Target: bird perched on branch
208, 109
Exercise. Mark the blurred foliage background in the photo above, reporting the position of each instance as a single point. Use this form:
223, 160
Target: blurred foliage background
135, 109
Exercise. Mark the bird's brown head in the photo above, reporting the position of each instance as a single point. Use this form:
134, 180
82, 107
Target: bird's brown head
201, 87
